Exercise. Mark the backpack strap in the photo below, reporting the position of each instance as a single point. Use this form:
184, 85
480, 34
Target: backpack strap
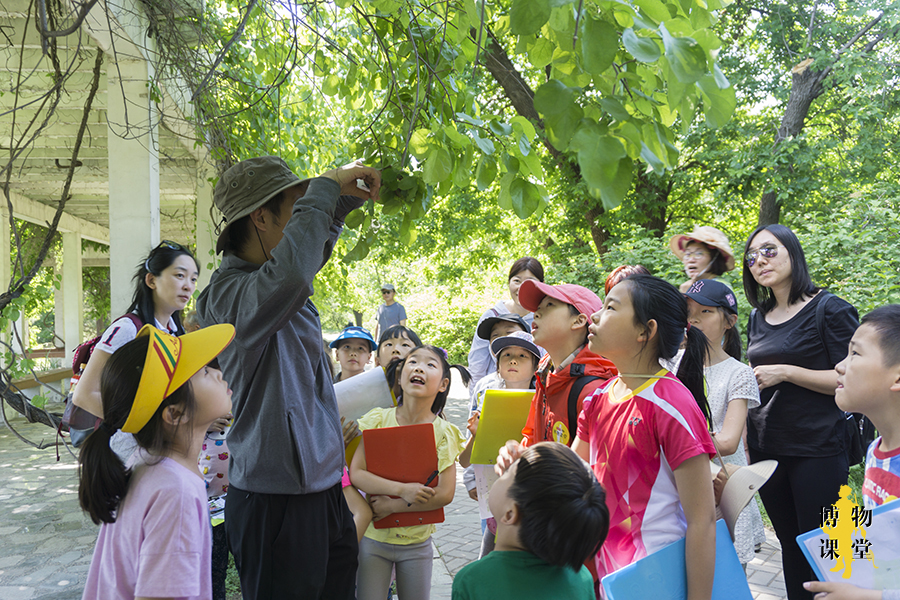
577, 369
820, 320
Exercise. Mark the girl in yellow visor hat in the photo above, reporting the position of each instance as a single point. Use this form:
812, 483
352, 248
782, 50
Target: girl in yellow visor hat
154, 539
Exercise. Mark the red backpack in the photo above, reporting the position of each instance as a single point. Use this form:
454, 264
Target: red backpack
79, 422
85, 349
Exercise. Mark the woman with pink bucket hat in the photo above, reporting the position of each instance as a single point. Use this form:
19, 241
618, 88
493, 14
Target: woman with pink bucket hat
704, 252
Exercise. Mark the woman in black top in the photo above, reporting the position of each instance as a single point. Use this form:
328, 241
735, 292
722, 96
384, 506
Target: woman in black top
797, 333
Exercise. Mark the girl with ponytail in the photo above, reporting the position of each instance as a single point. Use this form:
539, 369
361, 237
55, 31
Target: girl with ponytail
645, 433
731, 391
154, 539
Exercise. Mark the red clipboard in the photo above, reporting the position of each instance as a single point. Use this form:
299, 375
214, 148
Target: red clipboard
406, 454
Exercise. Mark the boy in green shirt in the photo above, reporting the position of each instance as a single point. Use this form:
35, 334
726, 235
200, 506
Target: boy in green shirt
551, 516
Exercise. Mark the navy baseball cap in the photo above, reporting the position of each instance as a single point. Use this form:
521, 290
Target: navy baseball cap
517, 338
485, 327
354, 333
710, 292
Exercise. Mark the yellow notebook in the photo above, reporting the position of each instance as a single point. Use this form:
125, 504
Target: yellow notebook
503, 415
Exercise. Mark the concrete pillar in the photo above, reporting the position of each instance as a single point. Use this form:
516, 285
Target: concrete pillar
59, 306
133, 175
5, 238
5, 264
204, 225
73, 296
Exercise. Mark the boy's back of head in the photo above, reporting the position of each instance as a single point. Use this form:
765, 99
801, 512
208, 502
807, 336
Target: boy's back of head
563, 517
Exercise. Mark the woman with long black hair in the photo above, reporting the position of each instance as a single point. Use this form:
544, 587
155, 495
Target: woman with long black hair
164, 283
797, 334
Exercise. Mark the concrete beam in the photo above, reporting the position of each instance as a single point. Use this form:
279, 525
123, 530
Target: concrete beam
27, 209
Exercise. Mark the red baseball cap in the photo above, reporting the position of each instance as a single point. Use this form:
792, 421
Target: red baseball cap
532, 293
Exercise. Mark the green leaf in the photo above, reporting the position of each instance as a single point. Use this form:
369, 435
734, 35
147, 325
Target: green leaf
484, 144
599, 44
462, 173
720, 78
392, 206
679, 27
707, 39
687, 112
654, 9
523, 125
359, 252
418, 143
526, 17
686, 57
524, 145
458, 139
556, 103
649, 157
643, 49
541, 53
408, 233
504, 200
500, 129
330, 85
525, 197
485, 173
614, 108
718, 104
438, 165
656, 138
604, 165
355, 218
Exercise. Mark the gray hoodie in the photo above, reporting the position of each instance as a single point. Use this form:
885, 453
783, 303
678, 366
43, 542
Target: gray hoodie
286, 437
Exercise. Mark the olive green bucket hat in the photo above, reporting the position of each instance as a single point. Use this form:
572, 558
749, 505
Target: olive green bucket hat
248, 185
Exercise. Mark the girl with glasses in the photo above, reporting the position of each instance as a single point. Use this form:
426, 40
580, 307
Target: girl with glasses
797, 334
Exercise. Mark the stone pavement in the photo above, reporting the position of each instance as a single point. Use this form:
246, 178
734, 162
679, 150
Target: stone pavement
46, 541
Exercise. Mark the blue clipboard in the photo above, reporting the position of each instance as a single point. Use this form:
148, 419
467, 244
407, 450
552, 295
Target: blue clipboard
883, 533
662, 575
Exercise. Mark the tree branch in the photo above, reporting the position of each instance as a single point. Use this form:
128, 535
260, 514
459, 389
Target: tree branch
221, 56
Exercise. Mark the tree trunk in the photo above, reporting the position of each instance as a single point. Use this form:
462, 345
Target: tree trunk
652, 200
521, 96
806, 86
599, 235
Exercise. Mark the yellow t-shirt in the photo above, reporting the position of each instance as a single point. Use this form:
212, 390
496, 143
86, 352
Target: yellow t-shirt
449, 442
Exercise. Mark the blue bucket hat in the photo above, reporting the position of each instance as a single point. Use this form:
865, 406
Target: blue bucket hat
354, 333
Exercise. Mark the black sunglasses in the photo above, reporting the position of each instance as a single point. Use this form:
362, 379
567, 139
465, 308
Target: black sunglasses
165, 244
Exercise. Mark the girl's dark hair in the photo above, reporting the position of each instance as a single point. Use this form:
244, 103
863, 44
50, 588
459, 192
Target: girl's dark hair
761, 297
563, 517
159, 259
623, 272
527, 263
719, 264
437, 407
241, 231
398, 331
660, 301
731, 343
103, 476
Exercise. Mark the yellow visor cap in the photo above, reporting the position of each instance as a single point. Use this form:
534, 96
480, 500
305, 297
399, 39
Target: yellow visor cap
170, 362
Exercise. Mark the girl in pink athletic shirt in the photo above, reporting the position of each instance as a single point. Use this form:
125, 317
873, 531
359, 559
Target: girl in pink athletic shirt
154, 540
645, 432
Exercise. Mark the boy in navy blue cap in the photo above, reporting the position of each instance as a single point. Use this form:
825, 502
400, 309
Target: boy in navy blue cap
354, 348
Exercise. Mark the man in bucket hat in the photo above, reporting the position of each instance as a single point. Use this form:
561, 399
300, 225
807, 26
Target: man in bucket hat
287, 523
